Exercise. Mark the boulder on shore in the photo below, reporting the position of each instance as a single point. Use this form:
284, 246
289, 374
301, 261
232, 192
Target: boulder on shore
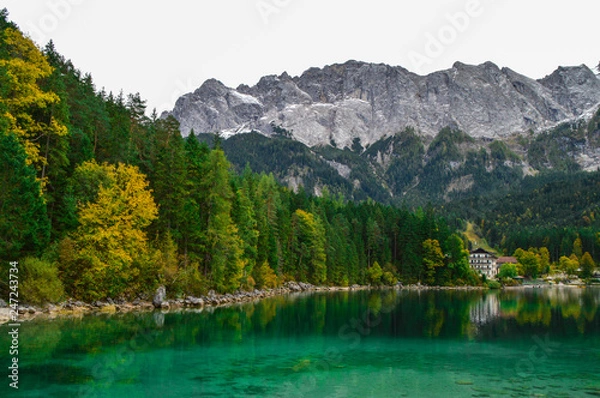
159, 297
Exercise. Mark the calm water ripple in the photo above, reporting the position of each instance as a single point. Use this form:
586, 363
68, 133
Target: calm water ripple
528, 342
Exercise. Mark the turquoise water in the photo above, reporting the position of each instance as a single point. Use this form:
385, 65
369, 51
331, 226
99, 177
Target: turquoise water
534, 342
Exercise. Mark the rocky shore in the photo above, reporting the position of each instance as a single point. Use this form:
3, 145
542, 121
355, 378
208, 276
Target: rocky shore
159, 301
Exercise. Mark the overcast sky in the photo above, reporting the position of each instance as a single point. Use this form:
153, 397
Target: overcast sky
163, 49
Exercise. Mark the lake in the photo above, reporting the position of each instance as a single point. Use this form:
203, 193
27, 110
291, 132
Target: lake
526, 342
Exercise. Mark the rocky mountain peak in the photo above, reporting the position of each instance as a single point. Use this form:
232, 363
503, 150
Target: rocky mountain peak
340, 102
574, 87
210, 89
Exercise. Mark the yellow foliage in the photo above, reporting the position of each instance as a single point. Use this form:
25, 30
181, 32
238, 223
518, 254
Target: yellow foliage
25, 101
266, 277
111, 245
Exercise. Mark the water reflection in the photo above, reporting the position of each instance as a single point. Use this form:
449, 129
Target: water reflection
289, 336
485, 310
560, 311
430, 314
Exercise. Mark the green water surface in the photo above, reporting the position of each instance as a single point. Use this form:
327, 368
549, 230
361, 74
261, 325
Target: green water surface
529, 342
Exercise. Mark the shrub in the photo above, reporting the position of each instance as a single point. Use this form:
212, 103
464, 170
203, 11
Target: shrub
493, 285
247, 283
472, 278
189, 281
508, 270
389, 278
40, 283
265, 277
374, 274
509, 282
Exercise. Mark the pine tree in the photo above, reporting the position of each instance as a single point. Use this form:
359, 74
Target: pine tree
138, 130
24, 224
56, 148
309, 247
194, 223
169, 176
267, 209
245, 219
223, 244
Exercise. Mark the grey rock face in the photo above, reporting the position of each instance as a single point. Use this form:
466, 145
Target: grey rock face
160, 297
340, 102
575, 88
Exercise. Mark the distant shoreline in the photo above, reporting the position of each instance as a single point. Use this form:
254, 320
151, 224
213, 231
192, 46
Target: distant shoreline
72, 308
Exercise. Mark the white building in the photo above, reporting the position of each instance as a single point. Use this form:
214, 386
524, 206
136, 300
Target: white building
484, 262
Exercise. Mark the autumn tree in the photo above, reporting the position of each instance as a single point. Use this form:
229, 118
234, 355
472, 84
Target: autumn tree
28, 107
578, 247
587, 265
433, 258
107, 255
528, 262
374, 274
544, 255
265, 276
40, 282
568, 265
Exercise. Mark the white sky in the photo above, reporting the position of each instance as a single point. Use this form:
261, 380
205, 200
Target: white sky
164, 49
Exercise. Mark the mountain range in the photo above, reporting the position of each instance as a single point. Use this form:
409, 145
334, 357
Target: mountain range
377, 131
341, 102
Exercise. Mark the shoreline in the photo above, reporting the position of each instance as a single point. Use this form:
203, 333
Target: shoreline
76, 308
73, 308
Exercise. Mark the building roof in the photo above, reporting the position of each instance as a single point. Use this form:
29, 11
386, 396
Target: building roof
481, 251
507, 260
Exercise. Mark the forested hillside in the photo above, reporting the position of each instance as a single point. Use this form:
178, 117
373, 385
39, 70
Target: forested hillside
552, 210
529, 191
99, 200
